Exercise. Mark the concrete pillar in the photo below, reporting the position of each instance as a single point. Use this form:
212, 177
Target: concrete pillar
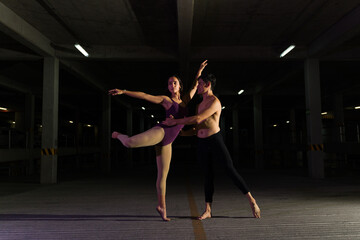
235, 130
258, 132
106, 133
29, 128
338, 127
49, 140
292, 123
129, 127
313, 118
20, 121
30, 119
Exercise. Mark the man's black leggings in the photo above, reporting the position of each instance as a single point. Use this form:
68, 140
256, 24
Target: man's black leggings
210, 148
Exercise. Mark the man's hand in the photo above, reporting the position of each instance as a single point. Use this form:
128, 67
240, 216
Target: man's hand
169, 121
116, 91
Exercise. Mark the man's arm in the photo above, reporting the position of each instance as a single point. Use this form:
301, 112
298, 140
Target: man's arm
196, 119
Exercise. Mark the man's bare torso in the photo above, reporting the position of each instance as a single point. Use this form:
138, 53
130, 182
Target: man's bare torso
210, 125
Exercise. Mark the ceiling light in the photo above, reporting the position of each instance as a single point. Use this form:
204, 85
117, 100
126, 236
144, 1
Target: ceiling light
81, 49
143, 108
357, 107
241, 91
274, 125
287, 51
2, 108
152, 116
223, 107
71, 122
324, 113
287, 121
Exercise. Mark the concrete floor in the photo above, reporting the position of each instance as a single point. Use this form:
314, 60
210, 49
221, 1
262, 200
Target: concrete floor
123, 207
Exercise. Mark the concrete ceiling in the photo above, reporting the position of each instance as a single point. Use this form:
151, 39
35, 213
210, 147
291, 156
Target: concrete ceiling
138, 44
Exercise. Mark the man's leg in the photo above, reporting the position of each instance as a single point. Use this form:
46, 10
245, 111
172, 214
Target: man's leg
221, 152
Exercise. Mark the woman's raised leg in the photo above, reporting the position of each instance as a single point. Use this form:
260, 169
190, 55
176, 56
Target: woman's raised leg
148, 138
163, 159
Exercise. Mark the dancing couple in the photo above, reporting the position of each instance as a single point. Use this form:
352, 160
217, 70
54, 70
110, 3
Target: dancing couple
210, 143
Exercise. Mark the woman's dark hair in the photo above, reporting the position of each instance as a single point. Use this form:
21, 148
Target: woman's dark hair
209, 78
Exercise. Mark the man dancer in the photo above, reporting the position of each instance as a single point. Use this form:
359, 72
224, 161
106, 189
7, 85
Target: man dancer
211, 143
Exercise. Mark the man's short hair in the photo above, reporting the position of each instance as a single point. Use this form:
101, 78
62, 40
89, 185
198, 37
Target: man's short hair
209, 78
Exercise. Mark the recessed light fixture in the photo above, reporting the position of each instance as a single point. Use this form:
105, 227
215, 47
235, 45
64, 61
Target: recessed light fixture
357, 107
223, 107
275, 125
152, 116
2, 108
81, 49
291, 47
287, 121
71, 122
324, 113
241, 91
143, 108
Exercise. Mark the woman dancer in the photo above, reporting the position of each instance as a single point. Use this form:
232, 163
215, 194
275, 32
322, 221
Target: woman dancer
161, 136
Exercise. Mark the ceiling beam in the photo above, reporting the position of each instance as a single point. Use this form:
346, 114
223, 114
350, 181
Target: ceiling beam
84, 74
14, 85
9, 55
244, 53
23, 32
345, 29
185, 10
117, 53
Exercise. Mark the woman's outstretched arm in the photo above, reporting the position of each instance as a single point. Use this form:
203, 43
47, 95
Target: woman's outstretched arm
141, 95
189, 95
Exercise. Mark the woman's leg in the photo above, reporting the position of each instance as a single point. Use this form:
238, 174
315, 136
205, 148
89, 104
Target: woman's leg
150, 137
163, 159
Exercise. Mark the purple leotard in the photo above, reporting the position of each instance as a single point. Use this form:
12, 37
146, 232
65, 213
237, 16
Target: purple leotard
171, 132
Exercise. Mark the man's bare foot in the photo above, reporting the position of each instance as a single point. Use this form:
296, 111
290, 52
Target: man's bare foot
205, 215
255, 209
114, 134
162, 213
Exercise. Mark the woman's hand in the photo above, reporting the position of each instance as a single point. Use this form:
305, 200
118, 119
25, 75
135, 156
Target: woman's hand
116, 91
202, 66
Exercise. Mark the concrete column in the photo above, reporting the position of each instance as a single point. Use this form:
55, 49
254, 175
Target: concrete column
338, 127
292, 126
20, 121
106, 133
313, 118
29, 128
30, 119
235, 130
258, 132
129, 127
49, 140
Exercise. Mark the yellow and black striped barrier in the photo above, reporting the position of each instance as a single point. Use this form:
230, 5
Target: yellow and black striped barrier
48, 151
316, 147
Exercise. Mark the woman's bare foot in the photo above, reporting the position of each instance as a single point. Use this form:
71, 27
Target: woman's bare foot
162, 212
255, 209
205, 215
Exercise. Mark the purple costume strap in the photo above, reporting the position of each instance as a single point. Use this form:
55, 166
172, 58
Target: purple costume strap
171, 132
